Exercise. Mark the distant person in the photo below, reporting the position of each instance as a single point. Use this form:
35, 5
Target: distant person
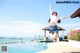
53, 22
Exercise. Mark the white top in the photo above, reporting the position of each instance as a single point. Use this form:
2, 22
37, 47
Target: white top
53, 19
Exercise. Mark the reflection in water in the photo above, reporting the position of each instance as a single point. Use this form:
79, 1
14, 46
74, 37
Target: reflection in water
39, 44
45, 45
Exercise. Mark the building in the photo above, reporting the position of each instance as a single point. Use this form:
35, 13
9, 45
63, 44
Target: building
76, 13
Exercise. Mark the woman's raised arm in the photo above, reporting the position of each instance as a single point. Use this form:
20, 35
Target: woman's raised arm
50, 10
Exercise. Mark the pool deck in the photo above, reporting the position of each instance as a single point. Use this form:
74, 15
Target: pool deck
61, 47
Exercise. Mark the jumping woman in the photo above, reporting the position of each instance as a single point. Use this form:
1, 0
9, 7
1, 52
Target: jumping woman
54, 20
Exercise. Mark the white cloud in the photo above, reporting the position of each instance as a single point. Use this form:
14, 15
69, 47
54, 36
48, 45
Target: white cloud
20, 28
71, 24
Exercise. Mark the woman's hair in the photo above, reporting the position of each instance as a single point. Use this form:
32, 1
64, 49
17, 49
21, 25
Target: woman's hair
52, 14
55, 13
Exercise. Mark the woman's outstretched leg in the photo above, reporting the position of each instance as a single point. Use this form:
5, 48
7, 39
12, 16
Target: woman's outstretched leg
55, 37
51, 36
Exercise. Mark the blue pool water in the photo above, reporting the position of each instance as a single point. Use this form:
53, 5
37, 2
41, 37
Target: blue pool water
22, 46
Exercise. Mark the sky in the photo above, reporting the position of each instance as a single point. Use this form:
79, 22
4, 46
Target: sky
26, 18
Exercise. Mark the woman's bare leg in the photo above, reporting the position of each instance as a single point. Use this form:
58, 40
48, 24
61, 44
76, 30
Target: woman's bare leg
55, 36
51, 36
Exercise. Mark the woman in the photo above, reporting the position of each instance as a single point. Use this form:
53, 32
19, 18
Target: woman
53, 28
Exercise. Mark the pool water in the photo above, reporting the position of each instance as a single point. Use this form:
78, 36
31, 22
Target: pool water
24, 47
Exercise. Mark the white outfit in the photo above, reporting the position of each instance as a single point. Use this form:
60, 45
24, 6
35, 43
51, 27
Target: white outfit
53, 19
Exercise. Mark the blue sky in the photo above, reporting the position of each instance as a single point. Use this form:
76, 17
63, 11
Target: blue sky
27, 17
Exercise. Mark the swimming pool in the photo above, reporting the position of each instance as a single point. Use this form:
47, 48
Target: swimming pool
24, 47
